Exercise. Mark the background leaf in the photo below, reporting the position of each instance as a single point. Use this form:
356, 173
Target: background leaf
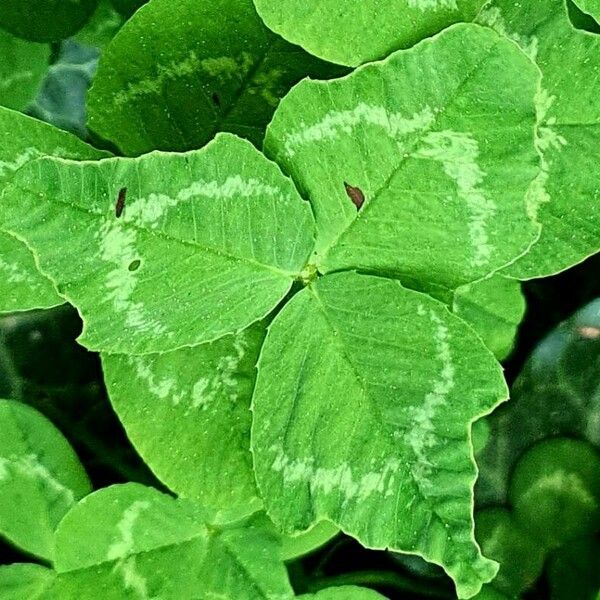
199, 397
351, 33
131, 539
494, 307
345, 592
444, 162
180, 71
22, 581
45, 20
40, 478
569, 121
208, 242
21, 70
362, 412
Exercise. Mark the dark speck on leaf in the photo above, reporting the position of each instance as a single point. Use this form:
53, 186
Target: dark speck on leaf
120, 205
355, 194
216, 99
134, 265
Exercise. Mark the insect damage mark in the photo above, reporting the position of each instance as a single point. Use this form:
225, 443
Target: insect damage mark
120, 205
355, 194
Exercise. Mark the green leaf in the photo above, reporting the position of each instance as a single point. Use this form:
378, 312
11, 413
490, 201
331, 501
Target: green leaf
40, 478
22, 581
521, 557
102, 27
200, 397
130, 540
494, 307
362, 412
128, 7
208, 242
591, 7
344, 592
295, 546
569, 121
23, 139
351, 33
180, 71
556, 394
444, 162
22, 69
45, 20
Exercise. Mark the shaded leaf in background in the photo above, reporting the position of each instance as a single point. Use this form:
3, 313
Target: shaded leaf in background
102, 27
457, 150
556, 394
569, 124
494, 307
351, 33
362, 411
132, 539
41, 478
23, 581
23, 139
209, 242
22, 69
180, 71
61, 101
188, 414
127, 7
45, 20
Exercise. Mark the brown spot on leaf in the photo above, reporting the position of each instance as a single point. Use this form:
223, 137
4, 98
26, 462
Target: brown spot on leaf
120, 205
589, 333
355, 194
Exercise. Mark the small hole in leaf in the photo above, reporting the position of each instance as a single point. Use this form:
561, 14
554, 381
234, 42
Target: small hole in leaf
134, 265
216, 100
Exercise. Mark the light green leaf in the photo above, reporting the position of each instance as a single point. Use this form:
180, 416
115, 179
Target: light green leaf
444, 162
40, 478
23, 139
362, 412
23, 581
494, 307
295, 546
208, 242
132, 540
591, 7
569, 125
199, 397
344, 592
180, 71
351, 33
45, 20
22, 69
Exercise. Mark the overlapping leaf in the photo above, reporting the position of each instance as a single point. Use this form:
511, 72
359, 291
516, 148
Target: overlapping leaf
23, 581
23, 139
40, 478
569, 125
362, 412
351, 33
22, 68
344, 592
180, 71
207, 243
494, 307
444, 162
45, 20
591, 7
132, 540
188, 414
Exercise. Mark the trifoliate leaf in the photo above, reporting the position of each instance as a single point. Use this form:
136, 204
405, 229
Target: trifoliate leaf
568, 189
23, 139
45, 20
362, 412
133, 540
351, 33
22, 69
444, 162
181, 70
494, 307
23, 581
40, 478
187, 412
168, 250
